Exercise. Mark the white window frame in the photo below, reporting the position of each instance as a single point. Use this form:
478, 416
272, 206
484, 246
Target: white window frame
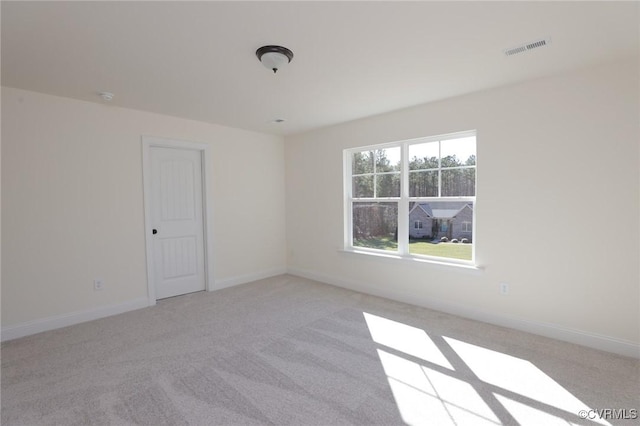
417, 224
466, 225
404, 199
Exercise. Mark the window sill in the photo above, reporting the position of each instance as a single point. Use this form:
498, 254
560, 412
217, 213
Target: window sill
413, 260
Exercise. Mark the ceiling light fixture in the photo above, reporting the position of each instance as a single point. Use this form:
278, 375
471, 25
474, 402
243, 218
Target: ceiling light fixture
274, 57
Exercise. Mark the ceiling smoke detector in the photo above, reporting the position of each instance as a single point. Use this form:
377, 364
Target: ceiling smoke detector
106, 96
274, 57
528, 46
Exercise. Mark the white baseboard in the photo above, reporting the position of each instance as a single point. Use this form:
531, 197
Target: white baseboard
58, 321
554, 331
243, 279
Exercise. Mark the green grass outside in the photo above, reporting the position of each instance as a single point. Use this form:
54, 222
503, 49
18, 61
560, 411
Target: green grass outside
426, 248
380, 243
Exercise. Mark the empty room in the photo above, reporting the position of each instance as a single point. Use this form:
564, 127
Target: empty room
320, 213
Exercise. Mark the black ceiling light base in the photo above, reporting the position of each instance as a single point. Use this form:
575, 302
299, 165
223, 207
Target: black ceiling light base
274, 57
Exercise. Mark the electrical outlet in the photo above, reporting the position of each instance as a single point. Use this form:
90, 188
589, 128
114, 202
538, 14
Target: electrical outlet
98, 284
504, 288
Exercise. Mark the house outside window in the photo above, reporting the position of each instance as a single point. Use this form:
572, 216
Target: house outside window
427, 182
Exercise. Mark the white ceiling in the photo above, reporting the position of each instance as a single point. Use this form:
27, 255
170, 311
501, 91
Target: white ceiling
352, 59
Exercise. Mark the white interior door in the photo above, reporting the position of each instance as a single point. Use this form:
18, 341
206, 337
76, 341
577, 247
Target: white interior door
177, 221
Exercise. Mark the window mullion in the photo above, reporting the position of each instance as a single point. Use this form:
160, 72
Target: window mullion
348, 197
439, 168
375, 170
403, 206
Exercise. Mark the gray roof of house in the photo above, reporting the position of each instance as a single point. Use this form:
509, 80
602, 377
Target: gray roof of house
426, 208
444, 209
444, 213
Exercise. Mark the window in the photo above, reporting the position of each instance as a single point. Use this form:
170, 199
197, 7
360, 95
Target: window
429, 182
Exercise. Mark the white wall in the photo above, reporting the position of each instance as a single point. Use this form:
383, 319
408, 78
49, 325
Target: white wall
73, 204
567, 239
557, 207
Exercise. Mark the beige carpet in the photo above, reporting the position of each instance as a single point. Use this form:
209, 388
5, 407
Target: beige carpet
289, 351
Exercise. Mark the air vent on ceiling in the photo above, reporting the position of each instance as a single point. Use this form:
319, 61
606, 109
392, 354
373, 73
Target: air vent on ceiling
528, 46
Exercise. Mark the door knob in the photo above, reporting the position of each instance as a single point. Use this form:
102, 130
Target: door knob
154, 231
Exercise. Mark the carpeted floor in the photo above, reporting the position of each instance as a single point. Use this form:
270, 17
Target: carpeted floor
290, 351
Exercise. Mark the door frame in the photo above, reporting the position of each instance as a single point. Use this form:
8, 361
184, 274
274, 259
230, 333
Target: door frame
149, 142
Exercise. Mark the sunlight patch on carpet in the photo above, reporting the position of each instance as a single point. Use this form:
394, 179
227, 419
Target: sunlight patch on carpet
405, 338
440, 380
